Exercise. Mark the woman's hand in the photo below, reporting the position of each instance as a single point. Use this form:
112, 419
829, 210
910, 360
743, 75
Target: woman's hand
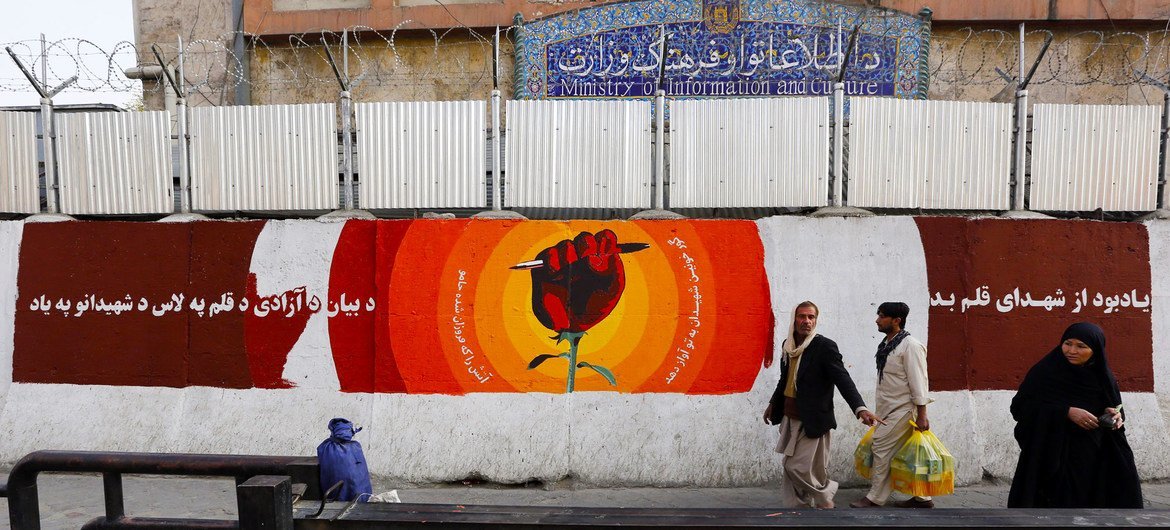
1117, 420
1082, 418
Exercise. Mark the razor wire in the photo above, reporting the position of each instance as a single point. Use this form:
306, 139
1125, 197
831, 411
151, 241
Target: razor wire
456, 62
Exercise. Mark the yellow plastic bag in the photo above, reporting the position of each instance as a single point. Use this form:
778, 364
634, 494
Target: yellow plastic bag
923, 466
863, 455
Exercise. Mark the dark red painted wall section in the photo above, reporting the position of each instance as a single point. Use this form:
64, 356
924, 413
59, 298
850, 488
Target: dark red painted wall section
991, 347
220, 255
100, 269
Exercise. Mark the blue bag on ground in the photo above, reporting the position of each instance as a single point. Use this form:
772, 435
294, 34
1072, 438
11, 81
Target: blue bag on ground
342, 460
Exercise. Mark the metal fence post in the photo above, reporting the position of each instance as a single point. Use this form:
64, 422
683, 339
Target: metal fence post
838, 144
48, 135
497, 195
1021, 175
184, 160
184, 138
176, 82
660, 149
265, 501
346, 125
1162, 169
347, 147
1021, 157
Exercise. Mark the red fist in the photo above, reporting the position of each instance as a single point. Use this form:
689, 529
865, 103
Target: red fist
579, 283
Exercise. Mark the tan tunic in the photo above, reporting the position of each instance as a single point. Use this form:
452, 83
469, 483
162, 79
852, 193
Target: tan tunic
903, 386
905, 383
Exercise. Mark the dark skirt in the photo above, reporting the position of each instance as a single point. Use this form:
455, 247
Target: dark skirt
1093, 469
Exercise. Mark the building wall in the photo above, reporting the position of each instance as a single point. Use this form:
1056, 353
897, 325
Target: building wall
1081, 67
247, 337
268, 17
206, 29
417, 67
427, 52
1085, 64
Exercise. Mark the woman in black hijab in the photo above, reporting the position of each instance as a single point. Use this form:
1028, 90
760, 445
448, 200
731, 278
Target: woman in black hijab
1068, 457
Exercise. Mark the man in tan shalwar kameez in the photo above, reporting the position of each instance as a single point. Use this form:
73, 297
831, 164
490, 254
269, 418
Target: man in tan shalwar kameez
802, 406
901, 398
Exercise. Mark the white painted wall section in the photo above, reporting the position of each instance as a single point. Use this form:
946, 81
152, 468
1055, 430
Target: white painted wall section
1159, 232
853, 265
10, 234
289, 255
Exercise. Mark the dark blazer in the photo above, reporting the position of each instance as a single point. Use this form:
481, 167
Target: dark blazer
819, 371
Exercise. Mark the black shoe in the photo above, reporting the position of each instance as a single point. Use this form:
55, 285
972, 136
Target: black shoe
914, 502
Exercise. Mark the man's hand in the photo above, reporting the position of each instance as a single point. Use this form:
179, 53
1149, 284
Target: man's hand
922, 422
768, 414
869, 419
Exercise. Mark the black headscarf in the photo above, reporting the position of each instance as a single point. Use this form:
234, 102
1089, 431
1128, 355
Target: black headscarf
1060, 382
1060, 464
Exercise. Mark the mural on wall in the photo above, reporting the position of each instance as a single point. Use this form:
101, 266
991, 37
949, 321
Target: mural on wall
721, 48
463, 306
445, 307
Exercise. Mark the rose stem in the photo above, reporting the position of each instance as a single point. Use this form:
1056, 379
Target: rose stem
574, 339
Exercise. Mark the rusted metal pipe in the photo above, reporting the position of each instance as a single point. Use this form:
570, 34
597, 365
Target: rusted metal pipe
131, 523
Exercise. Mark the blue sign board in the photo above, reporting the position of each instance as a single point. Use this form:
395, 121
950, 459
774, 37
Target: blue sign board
721, 49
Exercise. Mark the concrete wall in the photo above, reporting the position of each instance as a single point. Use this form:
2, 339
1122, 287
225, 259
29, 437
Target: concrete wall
432, 359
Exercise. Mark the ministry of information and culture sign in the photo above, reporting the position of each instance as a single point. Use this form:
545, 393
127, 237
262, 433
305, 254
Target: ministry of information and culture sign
721, 48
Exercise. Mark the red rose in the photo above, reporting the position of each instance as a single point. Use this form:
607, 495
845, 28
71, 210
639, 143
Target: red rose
579, 283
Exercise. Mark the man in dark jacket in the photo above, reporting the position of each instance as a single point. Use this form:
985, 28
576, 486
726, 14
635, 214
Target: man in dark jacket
802, 406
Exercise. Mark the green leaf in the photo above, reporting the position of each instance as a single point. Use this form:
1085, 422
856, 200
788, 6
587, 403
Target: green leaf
536, 361
608, 375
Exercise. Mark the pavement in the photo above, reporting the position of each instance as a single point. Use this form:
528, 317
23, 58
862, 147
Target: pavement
69, 501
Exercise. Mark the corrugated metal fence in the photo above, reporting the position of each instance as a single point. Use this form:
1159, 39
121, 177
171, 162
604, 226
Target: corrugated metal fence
18, 163
951, 155
273, 157
578, 154
771, 152
422, 154
115, 163
1086, 157
749, 152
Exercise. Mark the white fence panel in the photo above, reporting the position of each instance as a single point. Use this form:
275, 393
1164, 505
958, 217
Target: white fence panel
578, 154
422, 154
946, 155
272, 157
115, 163
19, 191
1086, 157
749, 152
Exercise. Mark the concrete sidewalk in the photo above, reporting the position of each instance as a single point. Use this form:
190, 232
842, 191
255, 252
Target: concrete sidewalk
68, 501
